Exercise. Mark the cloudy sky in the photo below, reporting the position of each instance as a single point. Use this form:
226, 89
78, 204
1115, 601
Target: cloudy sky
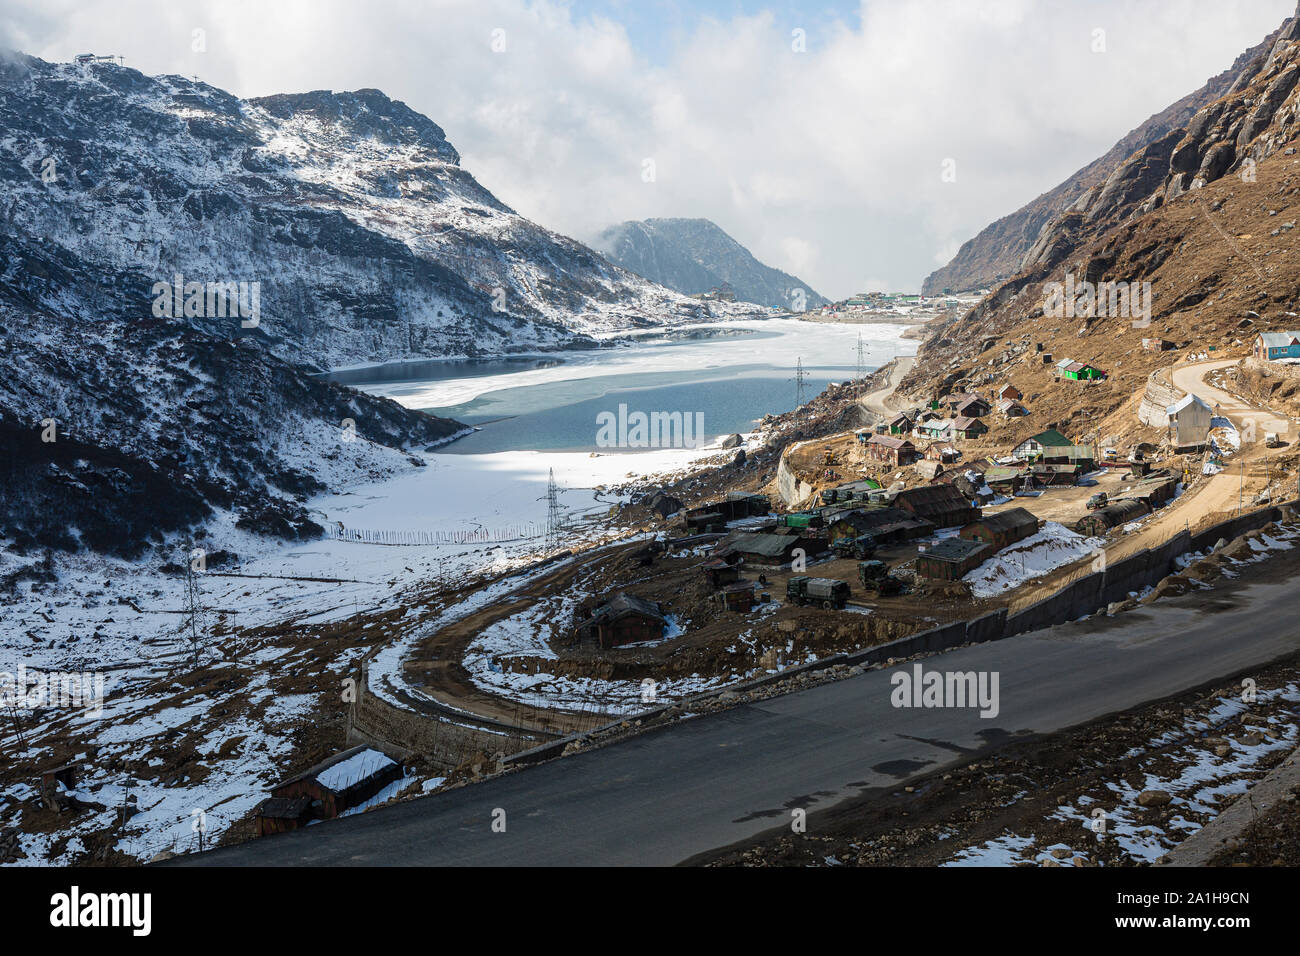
815, 133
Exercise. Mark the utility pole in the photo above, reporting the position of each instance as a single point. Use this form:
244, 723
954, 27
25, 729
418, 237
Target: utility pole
18, 728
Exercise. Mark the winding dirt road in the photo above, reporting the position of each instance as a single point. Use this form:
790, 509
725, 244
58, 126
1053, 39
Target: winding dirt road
879, 400
1222, 494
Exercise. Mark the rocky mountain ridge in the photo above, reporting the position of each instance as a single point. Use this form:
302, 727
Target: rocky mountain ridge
1104, 189
695, 255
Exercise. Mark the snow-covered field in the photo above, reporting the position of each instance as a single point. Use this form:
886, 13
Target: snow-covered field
124, 618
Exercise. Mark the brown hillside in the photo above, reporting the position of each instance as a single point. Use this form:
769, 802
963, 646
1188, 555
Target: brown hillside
1219, 250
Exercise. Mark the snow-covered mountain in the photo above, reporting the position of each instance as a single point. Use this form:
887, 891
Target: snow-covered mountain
175, 263
368, 239
697, 255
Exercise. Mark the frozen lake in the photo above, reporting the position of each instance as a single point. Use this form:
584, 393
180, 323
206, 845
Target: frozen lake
725, 376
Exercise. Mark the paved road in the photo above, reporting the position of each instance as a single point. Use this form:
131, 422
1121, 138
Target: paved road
705, 783
1191, 378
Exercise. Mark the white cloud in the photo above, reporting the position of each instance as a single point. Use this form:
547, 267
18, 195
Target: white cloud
823, 163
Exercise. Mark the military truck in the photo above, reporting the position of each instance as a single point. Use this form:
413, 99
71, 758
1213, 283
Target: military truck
861, 547
824, 591
875, 576
803, 519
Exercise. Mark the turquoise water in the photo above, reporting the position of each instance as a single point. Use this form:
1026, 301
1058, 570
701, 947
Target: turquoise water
562, 416
727, 377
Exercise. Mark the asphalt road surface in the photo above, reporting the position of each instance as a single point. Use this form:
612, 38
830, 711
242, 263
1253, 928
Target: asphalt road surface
711, 781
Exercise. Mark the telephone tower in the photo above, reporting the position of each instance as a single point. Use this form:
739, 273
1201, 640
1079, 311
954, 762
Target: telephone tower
862, 362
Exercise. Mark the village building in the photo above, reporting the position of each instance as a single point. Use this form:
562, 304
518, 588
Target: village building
887, 525
1078, 371
951, 559
1004, 478
939, 429
929, 469
1158, 345
329, 789
942, 505
1190, 421
1009, 392
1037, 446
968, 428
773, 550
1048, 475
623, 619
973, 407
719, 573
739, 597
972, 486
900, 425
1010, 408
1275, 346
1002, 529
898, 452
954, 401
734, 507
942, 451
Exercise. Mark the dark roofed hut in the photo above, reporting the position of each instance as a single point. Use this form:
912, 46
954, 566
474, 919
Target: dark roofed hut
333, 786
1001, 529
942, 505
885, 525
623, 619
952, 559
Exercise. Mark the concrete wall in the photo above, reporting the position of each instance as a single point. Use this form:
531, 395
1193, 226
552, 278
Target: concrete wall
1234, 527
792, 490
401, 733
1157, 398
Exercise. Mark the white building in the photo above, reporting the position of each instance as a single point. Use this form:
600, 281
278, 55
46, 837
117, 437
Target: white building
1189, 422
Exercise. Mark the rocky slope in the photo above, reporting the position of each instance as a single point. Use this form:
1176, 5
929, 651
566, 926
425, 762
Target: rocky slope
695, 255
999, 251
1206, 216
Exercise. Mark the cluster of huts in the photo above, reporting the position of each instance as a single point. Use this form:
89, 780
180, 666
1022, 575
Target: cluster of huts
847, 514
959, 415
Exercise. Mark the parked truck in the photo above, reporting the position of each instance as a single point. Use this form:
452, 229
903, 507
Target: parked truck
824, 591
861, 547
875, 576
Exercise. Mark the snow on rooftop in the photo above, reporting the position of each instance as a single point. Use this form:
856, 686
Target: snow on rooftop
356, 768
